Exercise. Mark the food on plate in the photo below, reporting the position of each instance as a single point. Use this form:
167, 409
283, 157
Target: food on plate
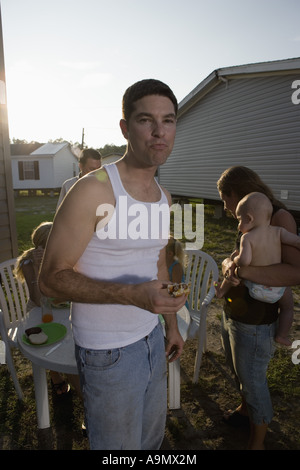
36, 335
176, 290
33, 331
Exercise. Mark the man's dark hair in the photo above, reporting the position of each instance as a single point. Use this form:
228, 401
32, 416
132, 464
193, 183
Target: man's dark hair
145, 88
89, 153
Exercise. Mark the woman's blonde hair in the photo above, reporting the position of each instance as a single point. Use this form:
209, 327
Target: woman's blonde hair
177, 249
39, 238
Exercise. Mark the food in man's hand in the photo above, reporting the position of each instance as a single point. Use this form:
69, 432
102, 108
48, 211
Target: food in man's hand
176, 290
36, 335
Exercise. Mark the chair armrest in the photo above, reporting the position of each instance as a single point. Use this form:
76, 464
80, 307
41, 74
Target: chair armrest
211, 294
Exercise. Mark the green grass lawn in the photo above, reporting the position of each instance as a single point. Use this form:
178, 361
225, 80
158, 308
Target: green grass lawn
30, 212
18, 421
219, 234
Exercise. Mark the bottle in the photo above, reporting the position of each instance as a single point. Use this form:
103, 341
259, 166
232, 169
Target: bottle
47, 315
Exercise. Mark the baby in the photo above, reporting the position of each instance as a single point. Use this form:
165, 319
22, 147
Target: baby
260, 245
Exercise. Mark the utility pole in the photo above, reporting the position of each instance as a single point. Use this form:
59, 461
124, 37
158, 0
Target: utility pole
82, 139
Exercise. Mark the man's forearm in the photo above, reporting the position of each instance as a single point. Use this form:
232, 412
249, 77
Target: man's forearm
73, 286
171, 321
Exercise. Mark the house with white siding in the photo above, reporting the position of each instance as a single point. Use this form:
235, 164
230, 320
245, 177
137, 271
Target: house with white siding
42, 167
244, 115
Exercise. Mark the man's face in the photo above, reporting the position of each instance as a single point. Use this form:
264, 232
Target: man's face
90, 165
151, 130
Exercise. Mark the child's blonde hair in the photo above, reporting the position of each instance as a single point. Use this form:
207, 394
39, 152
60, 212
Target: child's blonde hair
177, 249
39, 238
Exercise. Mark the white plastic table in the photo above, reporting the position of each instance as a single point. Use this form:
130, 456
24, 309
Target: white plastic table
60, 360
63, 360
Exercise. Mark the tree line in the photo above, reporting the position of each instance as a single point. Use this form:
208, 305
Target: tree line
106, 150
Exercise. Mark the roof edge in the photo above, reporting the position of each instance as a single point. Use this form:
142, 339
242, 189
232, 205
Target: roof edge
198, 92
286, 65
236, 71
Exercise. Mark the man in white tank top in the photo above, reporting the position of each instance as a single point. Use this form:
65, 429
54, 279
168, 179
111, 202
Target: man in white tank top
106, 253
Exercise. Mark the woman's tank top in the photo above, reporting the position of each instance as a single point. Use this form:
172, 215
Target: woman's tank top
125, 250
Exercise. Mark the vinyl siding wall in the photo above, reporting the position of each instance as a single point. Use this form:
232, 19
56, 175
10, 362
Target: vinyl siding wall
248, 121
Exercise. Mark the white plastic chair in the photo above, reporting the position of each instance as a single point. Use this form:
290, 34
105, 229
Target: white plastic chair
201, 272
8, 356
183, 320
13, 299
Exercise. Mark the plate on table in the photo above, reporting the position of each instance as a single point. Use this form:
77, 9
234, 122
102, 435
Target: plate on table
54, 331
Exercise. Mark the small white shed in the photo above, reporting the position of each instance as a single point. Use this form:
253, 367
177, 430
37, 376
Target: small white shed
45, 168
244, 115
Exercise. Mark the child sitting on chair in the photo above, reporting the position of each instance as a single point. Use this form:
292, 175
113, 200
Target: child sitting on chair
175, 260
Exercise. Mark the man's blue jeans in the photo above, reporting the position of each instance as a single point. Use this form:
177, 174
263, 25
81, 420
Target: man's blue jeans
125, 394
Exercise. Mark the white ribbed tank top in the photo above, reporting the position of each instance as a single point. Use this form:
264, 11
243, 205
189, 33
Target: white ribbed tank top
126, 250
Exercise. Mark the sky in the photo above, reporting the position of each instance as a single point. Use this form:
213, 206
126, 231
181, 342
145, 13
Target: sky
69, 62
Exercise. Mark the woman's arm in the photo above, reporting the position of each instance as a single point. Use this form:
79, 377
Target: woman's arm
285, 274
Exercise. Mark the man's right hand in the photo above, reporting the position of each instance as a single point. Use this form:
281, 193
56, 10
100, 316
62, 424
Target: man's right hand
154, 297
